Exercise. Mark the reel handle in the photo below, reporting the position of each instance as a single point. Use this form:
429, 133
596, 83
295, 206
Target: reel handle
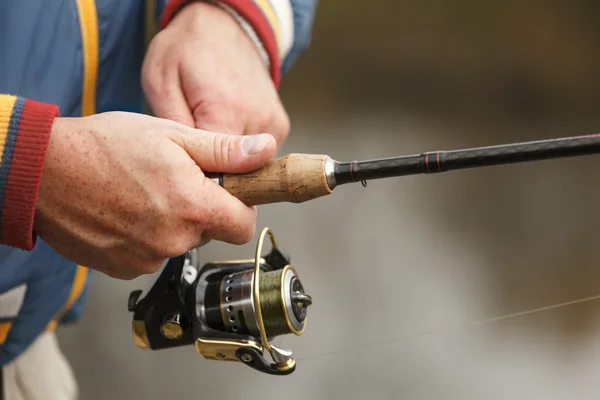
294, 178
254, 359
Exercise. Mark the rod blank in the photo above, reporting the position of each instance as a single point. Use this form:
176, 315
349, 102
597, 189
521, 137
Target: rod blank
441, 161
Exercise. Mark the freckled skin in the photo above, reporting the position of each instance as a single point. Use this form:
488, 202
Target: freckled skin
214, 79
121, 192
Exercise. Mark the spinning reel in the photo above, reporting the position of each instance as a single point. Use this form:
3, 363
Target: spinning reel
229, 310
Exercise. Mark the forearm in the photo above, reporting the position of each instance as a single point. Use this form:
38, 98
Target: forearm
25, 127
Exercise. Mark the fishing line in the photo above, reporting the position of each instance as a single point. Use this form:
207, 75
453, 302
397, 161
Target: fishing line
448, 329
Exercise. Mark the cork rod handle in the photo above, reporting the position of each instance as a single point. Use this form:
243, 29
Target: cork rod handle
294, 178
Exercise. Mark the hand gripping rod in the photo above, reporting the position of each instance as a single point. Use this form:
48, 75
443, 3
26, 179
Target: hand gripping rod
296, 178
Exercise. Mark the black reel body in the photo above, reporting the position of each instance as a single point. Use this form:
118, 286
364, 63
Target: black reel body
228, 310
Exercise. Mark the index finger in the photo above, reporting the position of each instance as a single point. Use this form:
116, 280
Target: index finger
226, 218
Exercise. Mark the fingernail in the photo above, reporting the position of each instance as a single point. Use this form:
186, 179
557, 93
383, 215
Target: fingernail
255, 144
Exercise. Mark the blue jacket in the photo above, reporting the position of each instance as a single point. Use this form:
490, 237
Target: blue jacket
74, 58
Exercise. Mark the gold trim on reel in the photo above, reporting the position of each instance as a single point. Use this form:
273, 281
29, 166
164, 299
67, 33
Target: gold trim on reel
227, 310
283, 359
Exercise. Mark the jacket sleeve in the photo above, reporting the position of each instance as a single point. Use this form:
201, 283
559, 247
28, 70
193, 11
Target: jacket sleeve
281, 29
25, 127
303, 16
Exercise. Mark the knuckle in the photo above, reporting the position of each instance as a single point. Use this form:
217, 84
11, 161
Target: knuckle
163, 245
145, 267
112, 273
156, 81
147, 81
151, 78
150, 267
223, 149
124, 276
213, 110
217, 149
174, 248
200, 112
264, 121
126, 271
247, 234
244, 233
188, 241
280, 125
283, 123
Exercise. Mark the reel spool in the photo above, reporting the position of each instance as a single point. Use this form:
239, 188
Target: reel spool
229, 310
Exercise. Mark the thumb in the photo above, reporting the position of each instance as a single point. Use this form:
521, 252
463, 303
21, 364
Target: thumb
215, 152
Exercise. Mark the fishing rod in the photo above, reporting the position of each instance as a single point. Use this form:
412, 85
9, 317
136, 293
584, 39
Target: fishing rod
297, 178
232, 310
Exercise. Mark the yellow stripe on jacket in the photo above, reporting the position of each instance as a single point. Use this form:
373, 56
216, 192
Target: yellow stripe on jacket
4, 329
7, 103
88, 20
76, 290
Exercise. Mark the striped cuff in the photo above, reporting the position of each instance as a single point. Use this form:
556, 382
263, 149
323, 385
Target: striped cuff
24, 134
271, 21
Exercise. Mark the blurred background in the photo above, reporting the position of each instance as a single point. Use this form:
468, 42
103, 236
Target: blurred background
400, 271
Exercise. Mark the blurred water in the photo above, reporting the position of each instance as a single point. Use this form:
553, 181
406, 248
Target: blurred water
397, 270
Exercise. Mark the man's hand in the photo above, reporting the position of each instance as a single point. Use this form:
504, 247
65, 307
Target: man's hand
122, 192
204, 71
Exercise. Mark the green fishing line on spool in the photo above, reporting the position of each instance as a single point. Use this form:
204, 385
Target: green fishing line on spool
271, 304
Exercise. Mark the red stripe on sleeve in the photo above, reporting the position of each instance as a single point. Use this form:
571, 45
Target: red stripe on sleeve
25, 174
169, 11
